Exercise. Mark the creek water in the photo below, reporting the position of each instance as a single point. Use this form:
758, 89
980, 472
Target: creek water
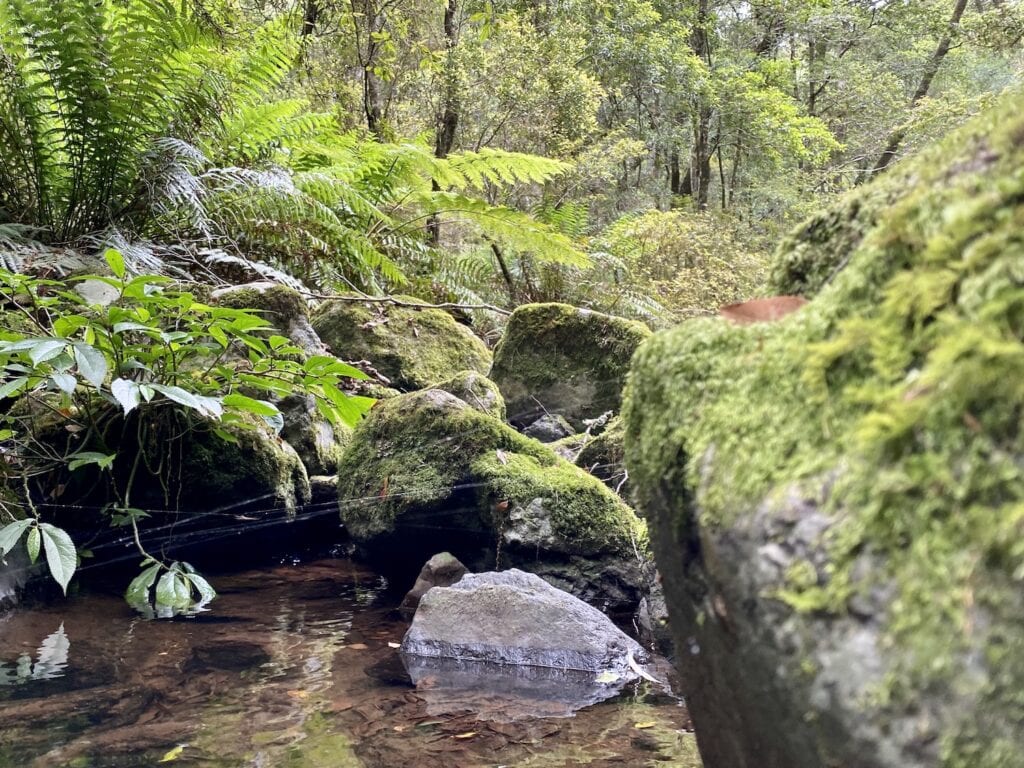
293, 666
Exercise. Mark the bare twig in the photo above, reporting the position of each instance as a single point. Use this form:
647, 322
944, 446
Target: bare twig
401, 303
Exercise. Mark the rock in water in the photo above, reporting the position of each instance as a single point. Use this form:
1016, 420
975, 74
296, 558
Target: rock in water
442, 570
836, 498
559, 359
425, 472
517, 618
509, 646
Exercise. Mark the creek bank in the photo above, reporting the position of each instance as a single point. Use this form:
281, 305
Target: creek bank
835, 498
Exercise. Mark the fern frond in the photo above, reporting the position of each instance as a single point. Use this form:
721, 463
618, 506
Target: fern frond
515, 229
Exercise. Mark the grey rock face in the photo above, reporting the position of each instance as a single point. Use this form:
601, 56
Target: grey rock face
549, 428
317, 442
283, 307
442, 570
517, 618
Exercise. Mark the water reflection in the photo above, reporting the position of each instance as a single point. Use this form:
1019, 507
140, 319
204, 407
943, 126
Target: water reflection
505, 693
51, 661
285, 671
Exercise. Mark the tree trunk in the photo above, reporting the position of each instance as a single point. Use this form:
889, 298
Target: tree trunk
896, 137
700, 162
448, 118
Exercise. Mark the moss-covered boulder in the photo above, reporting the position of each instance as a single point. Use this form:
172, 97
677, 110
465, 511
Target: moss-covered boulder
413, 348
284, 308
554, 358
477, 391
835, 499
426, 472
183, 466
317, 442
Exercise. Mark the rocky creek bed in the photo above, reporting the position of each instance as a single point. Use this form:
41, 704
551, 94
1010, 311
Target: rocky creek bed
293, 666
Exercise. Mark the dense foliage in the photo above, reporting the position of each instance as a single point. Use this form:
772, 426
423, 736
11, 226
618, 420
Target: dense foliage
637, 157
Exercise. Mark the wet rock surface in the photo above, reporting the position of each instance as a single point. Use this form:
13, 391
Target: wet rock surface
516, 618
549, 428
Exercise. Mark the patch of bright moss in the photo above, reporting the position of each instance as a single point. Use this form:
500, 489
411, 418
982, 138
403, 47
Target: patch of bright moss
904, 379
583, 513
415, 451
414, 348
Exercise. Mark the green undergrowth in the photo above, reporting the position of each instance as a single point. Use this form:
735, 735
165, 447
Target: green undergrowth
899, 390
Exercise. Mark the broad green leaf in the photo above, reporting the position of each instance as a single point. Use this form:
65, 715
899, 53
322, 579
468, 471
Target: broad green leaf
46, 349
11, 532
60, 554
91, 364
173, 590
32, 543
249, 404
206, 592
12, 387
126, 392
103, 460
225, 436
138, 590
179, 395
133, 326
64, 381
115, 261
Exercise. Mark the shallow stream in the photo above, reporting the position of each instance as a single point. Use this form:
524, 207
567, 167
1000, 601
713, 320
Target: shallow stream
293, 667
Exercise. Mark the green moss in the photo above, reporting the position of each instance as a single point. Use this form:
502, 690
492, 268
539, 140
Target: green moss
280, 302
573, 361
414, 348
604, 454
582, 511
415, 451
477, 391
903, 382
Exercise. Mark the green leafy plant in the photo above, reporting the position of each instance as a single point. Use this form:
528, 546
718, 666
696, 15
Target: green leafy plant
143, 346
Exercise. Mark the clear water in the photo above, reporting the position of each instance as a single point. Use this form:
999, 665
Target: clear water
292, 668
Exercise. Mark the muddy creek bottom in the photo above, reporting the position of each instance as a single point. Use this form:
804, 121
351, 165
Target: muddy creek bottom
293, 667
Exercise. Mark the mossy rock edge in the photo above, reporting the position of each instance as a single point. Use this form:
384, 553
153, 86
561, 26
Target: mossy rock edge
836, 499
413, 348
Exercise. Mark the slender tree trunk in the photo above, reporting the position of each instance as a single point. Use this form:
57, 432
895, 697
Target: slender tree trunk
448, 118
700, 162
310, 16
364, 12
896, 138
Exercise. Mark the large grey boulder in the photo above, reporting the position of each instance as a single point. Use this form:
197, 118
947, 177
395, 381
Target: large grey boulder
517, 618
555, 358
283, 307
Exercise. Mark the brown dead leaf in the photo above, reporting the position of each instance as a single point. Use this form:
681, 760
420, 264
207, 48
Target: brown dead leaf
762, 310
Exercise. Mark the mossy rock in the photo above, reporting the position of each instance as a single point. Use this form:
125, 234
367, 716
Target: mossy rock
835, 498
283, 307
414, 348
554, 358
318, 443
201, 472
604, 456
425, 472
477, 391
